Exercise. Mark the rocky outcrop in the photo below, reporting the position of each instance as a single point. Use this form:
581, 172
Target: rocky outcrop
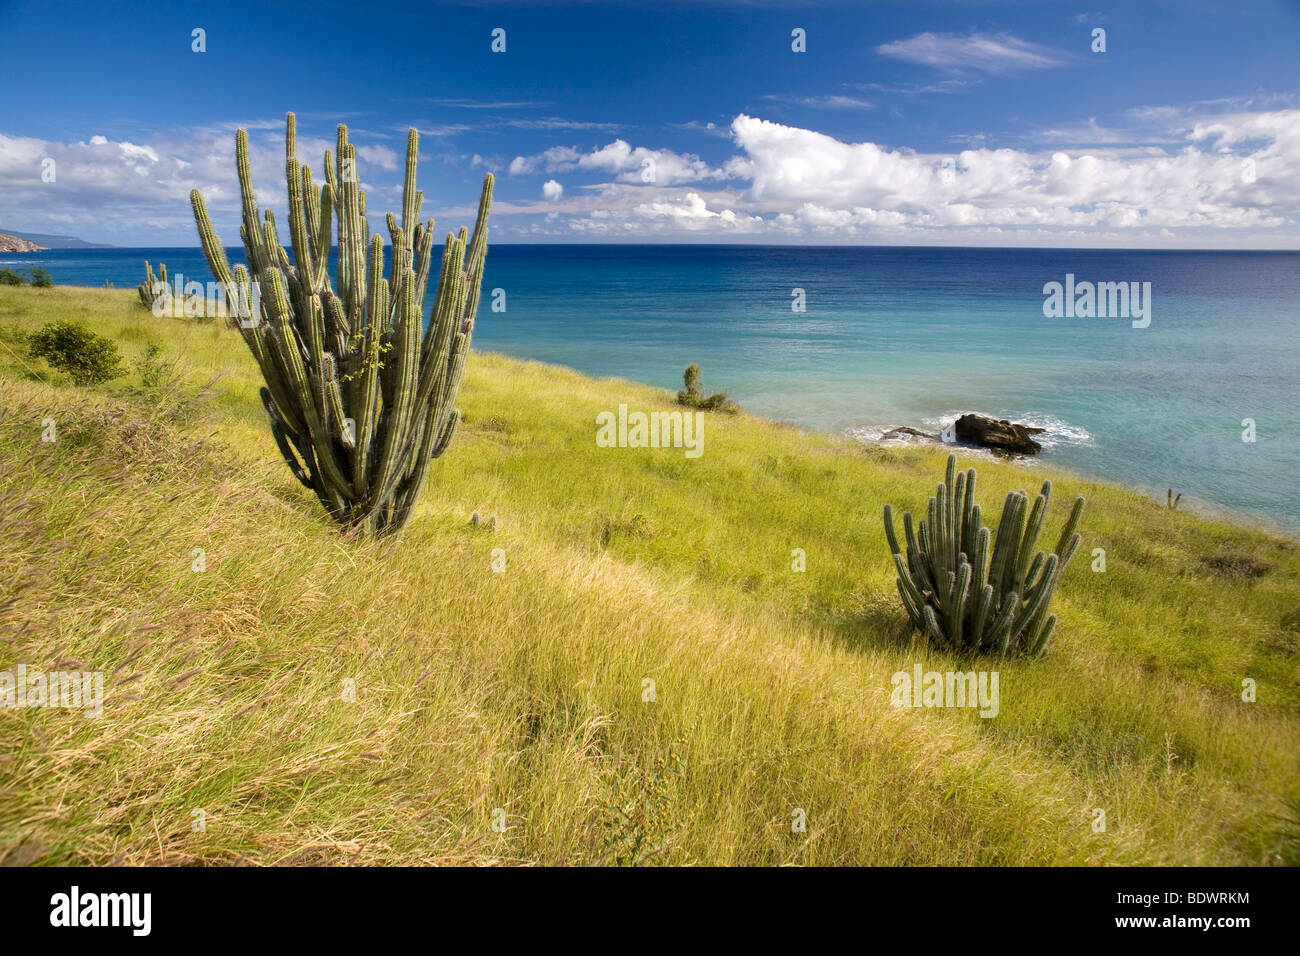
903, 433
11, 243
998, 434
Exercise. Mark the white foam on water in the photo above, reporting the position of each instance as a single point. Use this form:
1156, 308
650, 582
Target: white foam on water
875, 435
1057, 433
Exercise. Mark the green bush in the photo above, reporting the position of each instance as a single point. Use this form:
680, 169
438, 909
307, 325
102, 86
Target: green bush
72, 348
41, 278
9, 277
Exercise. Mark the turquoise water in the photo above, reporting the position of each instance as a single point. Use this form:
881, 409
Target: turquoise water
915, 336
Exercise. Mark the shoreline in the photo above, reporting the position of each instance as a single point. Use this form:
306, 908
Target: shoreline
1203, 508
1060, 434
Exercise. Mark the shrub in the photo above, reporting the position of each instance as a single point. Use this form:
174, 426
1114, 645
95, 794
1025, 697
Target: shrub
693, 396
41, 278
9, 277
153, 370
72, 348
967, 599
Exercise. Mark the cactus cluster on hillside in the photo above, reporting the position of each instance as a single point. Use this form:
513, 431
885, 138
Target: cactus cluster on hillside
360, 395
153, 287
968, 596
693, 395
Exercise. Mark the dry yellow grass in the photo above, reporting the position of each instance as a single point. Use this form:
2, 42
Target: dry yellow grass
484, 696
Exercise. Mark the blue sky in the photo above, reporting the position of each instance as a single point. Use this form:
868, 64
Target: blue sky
913, 123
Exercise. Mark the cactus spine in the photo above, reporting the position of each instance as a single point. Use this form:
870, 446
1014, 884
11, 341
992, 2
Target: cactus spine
968, 596
360, 396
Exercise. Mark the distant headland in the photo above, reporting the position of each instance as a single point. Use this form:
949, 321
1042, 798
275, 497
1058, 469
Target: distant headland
36, 242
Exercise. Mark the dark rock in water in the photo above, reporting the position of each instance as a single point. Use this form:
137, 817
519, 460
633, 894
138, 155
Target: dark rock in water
998, 434
903, 432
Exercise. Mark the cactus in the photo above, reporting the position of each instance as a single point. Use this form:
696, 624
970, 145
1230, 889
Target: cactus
153, 287
693, 395
359, 395
969, 596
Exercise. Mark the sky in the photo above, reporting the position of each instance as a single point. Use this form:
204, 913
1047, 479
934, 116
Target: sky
1085, 124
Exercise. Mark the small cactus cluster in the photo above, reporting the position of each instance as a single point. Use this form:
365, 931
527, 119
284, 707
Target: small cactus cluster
693, 395
967, 596
359, 393
153, 287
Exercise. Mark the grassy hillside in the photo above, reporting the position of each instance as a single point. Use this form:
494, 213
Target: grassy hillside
523, 690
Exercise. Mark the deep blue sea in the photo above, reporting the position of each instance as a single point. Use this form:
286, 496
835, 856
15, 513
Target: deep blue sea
915, 336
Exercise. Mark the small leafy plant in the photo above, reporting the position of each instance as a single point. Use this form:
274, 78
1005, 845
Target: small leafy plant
41, 278
69, 347
153, 369
641, 818
969, 599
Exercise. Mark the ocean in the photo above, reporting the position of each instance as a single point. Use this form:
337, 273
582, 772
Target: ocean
913, 336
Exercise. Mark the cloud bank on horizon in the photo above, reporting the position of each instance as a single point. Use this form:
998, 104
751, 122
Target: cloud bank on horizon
912, 139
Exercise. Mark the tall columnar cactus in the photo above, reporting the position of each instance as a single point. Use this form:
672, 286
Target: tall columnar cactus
969, 599
153, 287
359, 394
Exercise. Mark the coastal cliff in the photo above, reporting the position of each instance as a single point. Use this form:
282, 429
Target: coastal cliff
12, 243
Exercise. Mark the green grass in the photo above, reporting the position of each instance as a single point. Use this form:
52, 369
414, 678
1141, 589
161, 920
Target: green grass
522, 691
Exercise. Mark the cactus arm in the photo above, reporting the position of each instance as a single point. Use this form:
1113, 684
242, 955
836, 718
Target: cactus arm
982, 607
432, 446
1044, 635
912, 595
254, 242
1067, 533
478, 251
1037, 607
1007, 540
282, 440
367, 409
1030, 537
424, 261
212, 249
956, 616
981, 560
889, 531
932, 623
404, 363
